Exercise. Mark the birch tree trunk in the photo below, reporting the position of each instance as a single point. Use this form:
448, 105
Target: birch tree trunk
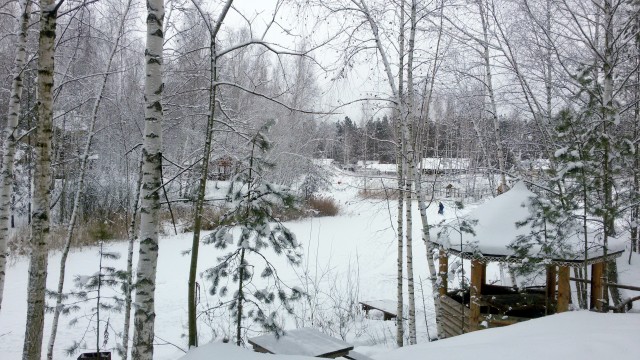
9, 138
635, 210
421, 195
40, 221
129, 283
144, 316
84, 161
400, 162
410, 161
492, 99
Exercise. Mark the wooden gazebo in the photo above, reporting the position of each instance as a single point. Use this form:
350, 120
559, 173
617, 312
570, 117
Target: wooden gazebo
485, 305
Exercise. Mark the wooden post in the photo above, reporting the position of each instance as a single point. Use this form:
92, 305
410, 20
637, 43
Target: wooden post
596, 286
484, 276
443, 271
564, 289
551, 284
477, 269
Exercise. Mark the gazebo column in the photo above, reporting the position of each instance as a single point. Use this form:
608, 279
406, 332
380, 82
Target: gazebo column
443, 271
597, 271
551, 285
564, 289
477, 271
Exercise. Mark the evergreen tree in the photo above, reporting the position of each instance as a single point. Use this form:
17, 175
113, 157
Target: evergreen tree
249, 229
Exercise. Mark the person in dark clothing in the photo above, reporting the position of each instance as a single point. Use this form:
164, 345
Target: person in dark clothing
441, 208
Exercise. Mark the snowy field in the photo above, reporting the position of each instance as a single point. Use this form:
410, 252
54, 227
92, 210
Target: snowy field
353, 254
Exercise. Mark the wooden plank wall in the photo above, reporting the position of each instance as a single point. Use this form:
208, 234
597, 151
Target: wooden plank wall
452, 313
451, 318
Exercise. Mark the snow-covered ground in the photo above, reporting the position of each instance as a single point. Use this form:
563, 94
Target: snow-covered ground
578, 335
353, 254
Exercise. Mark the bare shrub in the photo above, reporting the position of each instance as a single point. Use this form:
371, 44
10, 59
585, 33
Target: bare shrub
323, 206
331, 301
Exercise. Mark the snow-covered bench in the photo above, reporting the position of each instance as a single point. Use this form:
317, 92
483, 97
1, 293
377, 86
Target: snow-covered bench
388, 308
304, 341
357, 356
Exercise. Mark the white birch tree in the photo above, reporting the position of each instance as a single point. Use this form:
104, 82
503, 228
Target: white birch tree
144, 315
40, 219
9, 137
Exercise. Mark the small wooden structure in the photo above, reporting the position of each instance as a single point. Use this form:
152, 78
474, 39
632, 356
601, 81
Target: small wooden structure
389, 308
103, 355
223, 167
483, 305
303, 341
452, 190
444, 165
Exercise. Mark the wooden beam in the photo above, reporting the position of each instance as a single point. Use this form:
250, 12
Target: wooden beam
597, 271
564, 289
551, 284
477, 269
619, 286
443, 271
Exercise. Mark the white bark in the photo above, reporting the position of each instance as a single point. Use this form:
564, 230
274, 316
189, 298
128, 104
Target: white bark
144, 316
9, 137
129, 284
492, 99
400, 162
40, 222
409, 155
421, 195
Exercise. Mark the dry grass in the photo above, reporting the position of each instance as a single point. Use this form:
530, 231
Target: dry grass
323, 206
315, 206
210, 218
111, 228
114, 226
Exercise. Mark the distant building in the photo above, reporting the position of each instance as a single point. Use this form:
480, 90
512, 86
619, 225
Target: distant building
223, 168
323, 162
365, 163
382, 169
443, 165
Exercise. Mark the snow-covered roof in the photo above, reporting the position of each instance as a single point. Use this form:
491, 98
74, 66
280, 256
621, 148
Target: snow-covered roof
444, 163
388, 306
325, 161
303, 341
217, 350
496, 229
383, 167
367, 162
